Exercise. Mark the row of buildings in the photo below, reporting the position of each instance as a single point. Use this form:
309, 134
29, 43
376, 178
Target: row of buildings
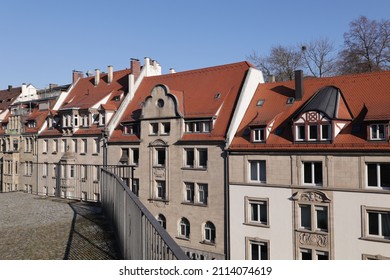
232, 167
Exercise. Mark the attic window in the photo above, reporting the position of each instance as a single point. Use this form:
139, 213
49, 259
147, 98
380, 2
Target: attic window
217, 95
117, 98
290, 100
260, 102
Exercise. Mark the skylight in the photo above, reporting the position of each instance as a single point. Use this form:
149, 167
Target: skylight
290, 100
260, 102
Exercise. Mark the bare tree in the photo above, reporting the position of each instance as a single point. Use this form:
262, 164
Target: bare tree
319, 57
282, 62
366, 46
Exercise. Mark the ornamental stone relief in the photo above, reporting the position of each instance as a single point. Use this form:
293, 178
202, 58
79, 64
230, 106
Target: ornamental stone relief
159, 173
311, 196
312, 239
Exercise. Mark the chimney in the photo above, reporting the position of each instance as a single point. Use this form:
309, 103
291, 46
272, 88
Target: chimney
9, 87
298, 75
172, 70
97, 76
110, 74
135, 67
271, 78
77, 75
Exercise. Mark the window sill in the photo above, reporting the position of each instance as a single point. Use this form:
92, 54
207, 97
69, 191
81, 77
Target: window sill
375, 239
151, 200
316, 231
256, 224
194, 204
209, 243
194, 168
183, 238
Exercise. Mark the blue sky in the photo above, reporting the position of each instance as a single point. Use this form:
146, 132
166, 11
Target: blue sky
42, 41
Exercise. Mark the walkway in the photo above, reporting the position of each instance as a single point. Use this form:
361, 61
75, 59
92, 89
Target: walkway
45, 228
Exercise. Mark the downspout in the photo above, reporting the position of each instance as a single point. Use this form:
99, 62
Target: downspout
227, 204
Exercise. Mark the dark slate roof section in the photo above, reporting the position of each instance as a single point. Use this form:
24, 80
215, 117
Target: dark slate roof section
325, 101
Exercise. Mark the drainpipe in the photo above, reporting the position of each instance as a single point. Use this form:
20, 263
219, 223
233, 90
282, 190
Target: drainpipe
227, 208
105, 152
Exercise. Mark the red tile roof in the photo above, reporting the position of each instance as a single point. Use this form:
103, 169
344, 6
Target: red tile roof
367, 96
8, 96
200, 93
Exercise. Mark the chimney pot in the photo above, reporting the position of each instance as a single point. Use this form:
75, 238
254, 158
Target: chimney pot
271, 78
9, 87
110, 74
172, 70
97, 76
299, 90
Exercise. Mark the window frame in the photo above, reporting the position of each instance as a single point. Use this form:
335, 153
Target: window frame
258, 135
378, 175
184, 228
314, 221
312, 173
249, 202
209, 233
366, 210
377, 132
262, 243
259, 174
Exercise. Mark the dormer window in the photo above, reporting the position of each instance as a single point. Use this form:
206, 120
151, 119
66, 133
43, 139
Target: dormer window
258, 134
377, 132
312, 127
198, 126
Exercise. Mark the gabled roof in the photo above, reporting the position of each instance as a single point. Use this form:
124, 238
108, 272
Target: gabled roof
364, 97
201, 93
8, 96
85, 94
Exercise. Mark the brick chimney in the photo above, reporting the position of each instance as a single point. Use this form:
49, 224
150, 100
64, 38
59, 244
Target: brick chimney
135, 67
97, 76
298, 76
77, 75
110, 74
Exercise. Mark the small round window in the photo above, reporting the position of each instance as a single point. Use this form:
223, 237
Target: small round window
160, 103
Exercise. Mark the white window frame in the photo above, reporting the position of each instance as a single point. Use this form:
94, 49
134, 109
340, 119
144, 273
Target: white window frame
366, 221
202, 193
259, 174
314, 208
260, 243
375, 129
378, 175
209, 232
160, 190
259, 134
260, 205
189, 192
312, 173
329, 132
184, 229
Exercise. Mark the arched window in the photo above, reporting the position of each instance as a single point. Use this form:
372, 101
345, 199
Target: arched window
209, 232
162, 220
184, 228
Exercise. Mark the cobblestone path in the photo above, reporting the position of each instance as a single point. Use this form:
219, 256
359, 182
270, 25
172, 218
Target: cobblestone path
45, 228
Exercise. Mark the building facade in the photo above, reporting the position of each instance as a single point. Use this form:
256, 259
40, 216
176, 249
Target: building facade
173, 134
308, 171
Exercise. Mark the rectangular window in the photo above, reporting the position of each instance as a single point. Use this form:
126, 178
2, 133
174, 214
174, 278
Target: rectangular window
301, 133
325, 132
257, 171
55, 145
305, 216
160, 190
189, 192
190, 158
135, 156
206, 127
378, 174
135, 186
71, 171
166, 128
312, 173
83, 171
256, 211
313, 217
202, 193
202, 155
83, 148
378, 224
74, 143
377, 132
306, 254
45, 170
154, 128
160, 160
258, 135
96, 146
63, 145
258, 250
313, 132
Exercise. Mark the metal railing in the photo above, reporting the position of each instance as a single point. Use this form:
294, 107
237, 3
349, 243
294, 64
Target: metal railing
140, 235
